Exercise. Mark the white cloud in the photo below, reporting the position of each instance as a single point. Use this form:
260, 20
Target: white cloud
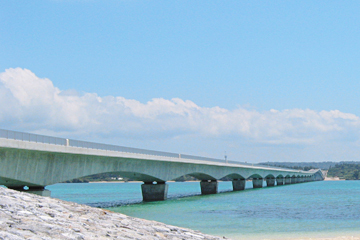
31, 103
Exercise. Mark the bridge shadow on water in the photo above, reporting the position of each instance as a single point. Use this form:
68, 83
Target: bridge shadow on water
173, 197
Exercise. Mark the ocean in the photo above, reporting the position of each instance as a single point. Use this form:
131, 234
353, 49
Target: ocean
325, 209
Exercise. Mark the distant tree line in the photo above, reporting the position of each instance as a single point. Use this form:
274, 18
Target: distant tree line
315, 165
348, 171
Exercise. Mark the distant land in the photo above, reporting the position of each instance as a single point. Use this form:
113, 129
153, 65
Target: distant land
348, 170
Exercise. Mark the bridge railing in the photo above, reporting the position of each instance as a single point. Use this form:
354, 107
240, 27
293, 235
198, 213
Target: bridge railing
30, 137
109, 147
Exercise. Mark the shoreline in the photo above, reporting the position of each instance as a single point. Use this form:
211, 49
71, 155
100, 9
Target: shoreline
342, 237
333, 179
25, 215
32, 216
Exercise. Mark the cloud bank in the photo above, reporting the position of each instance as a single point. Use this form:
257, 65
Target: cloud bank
34, 104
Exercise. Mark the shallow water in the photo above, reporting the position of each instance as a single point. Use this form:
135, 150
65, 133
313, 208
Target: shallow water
316, 210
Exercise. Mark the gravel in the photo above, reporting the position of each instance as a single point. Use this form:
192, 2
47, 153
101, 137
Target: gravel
28, 216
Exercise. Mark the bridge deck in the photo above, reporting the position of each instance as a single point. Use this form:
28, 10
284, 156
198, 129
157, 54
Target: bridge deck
27, 162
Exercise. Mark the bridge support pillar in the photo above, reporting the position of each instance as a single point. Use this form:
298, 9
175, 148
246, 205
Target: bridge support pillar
294, 180
154, 192
270, 182
279, 181
209, 187
287, 181
257, 182
41, 191
238, 184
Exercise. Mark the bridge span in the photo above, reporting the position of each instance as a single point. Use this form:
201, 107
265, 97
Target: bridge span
37, 161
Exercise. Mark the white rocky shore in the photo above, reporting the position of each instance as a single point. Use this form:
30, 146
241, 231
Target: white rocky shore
28, 216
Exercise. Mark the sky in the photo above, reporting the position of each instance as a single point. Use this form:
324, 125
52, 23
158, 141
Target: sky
259, 80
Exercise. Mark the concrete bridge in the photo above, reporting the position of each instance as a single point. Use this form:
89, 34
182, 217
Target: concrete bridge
35, 161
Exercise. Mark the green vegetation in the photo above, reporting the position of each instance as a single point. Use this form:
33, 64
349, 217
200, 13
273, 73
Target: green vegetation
344, 170
348, 171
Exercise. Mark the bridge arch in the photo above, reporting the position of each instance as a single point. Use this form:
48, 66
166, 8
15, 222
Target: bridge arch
280, 180
255, 176
235, 176
270, 180
269, 176
257, 180
137, 176
202, 176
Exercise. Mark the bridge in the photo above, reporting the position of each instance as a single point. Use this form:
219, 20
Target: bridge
30, 162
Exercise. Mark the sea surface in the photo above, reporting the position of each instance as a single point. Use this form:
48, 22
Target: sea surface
306, 210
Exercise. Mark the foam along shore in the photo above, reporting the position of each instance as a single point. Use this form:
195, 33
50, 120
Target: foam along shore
29, 216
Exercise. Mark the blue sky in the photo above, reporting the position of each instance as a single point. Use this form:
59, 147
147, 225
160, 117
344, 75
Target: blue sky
299, 58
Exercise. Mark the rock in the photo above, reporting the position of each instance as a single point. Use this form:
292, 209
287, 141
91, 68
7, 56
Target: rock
28, 216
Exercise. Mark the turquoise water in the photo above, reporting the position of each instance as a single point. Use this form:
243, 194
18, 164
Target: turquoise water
306, 210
